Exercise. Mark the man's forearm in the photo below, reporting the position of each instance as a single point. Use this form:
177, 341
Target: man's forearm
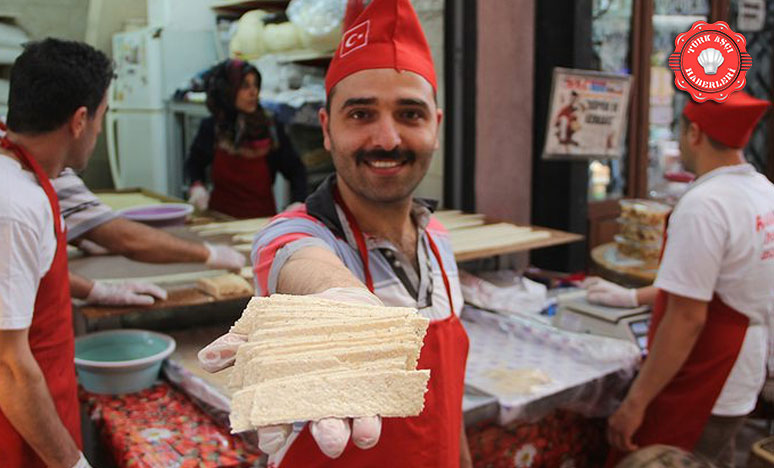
647, 295
146, 244
80, 287
26, 402
313, 270
466, 460
676, 335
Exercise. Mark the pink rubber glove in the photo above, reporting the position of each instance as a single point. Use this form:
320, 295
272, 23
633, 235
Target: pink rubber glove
129, 293
610, 294
223, 257
331, 434
198, 196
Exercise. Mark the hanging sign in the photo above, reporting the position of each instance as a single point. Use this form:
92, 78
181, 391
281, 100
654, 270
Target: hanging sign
751, 16
587, 115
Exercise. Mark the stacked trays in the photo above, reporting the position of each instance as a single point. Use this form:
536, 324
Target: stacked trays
308, 359
642, 230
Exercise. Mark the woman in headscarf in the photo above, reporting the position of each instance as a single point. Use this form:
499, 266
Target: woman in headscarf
244, 146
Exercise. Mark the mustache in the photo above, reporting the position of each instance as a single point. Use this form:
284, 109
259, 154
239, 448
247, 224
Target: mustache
362, 156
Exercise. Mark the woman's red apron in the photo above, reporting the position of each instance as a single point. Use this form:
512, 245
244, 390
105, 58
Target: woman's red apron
678, 414
431, 439
242, 186
50, 336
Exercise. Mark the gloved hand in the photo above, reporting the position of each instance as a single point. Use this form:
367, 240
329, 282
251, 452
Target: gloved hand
82, 462
223, 257
124, 294
198, 196
610, 294
331, 434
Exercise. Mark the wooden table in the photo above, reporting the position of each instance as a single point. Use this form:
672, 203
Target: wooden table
556, 238
177, 298
185, 296
184, 304
632, 276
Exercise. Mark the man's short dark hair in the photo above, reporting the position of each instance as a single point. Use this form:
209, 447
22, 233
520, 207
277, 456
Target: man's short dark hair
51, 79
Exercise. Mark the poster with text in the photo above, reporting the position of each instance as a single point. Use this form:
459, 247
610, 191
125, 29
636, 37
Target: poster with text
588, 115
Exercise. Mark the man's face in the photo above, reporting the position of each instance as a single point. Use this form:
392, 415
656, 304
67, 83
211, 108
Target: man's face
84, 143
381, 131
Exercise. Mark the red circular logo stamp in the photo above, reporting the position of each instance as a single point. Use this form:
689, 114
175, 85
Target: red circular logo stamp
710, 61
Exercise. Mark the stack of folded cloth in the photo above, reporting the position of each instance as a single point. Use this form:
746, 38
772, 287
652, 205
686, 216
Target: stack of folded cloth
307, 359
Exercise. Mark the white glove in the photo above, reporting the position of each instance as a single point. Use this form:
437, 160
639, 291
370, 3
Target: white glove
223, 257
82, 462
331, 434
124, 294
610, 294
198, 196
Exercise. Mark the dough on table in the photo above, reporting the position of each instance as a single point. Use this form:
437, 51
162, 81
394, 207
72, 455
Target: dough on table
229, 285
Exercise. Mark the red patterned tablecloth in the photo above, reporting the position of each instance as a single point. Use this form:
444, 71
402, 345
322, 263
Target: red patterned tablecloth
559, 440
160, 427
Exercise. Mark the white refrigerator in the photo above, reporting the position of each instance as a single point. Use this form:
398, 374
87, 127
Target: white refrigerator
151, 63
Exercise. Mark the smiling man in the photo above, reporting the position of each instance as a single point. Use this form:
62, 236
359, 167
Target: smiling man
362, 237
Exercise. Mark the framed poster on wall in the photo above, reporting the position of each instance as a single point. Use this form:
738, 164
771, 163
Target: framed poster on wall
588, 113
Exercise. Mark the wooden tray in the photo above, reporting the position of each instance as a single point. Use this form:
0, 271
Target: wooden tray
628, 275
555, 237
178, 298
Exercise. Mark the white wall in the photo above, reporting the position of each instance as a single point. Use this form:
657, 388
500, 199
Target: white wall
65, 19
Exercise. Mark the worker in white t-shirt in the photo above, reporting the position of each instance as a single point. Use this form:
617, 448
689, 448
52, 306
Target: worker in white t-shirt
713, 296
57, 101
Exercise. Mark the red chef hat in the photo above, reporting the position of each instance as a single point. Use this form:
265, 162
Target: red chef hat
730, 122
386, 34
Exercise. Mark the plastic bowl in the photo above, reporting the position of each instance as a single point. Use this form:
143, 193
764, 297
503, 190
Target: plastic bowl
120, 361
159, 215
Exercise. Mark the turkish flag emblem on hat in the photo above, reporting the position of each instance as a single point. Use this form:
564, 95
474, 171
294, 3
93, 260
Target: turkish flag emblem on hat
385, 34
355, 38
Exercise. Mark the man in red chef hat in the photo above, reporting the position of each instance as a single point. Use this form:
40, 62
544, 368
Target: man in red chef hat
362, 237
713, 296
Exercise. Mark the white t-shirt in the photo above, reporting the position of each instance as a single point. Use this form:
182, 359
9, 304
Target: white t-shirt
27, 243
720, 243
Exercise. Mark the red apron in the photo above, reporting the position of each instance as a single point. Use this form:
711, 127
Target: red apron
50, 336
242, 186
431, 439
678, 414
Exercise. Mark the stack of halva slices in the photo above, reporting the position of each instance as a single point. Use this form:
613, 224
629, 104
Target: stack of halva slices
307, 359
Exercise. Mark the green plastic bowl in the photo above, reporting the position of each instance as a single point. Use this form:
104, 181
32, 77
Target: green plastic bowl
120, 361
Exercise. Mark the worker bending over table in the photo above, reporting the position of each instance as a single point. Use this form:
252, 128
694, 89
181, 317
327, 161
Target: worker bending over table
96, 228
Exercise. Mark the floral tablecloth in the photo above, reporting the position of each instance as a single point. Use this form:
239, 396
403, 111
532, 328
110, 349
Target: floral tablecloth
161, 428
559, 440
